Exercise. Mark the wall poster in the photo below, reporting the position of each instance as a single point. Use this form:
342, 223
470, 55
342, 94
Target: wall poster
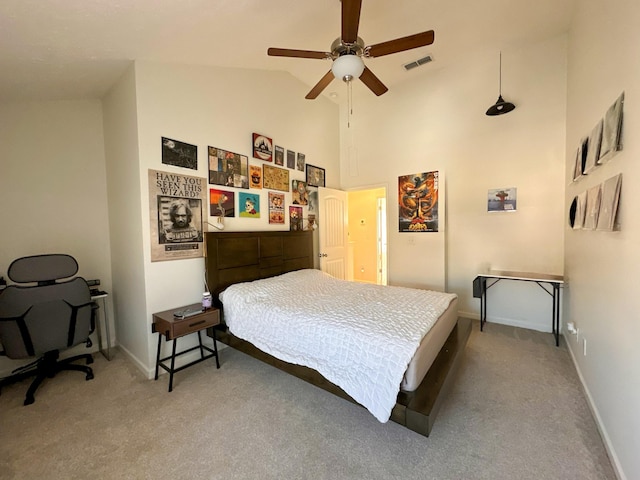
176, 205
418, 202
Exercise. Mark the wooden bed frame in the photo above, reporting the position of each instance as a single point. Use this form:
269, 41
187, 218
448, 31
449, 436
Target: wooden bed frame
233, 257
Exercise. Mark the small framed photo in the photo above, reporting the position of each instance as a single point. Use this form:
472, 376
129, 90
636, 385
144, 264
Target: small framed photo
315, 176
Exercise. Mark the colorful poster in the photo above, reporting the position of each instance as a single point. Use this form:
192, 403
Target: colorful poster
249, 205
300, 193
176, 205
295, 218
256, 176
418, 202
221, 203
276, 207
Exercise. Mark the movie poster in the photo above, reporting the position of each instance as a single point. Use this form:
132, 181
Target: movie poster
176, 205
418, 202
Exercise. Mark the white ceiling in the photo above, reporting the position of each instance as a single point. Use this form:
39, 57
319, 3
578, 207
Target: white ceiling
64, 49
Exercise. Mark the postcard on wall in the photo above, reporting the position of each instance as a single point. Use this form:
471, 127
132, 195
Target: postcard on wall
300, 162
262, 147
221, 203
291, 159
299, 191
255, 174
418, 202
249, 205
278, 158
179, 154
276, 207
502, 200
612, 130
609, 203
176, 206
275, 178
228, 168
313, 200
295, 218
593, 148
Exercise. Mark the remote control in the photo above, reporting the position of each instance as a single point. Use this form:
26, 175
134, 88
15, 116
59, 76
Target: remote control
186, 313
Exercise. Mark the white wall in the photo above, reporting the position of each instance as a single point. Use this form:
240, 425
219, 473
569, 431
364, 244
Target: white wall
202, 106
53, 187
603, 267
126, 218
436, 121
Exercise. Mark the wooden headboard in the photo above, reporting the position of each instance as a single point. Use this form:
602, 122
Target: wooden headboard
233, 257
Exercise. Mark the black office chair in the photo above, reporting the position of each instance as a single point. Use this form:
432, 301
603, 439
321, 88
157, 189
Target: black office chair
41, 320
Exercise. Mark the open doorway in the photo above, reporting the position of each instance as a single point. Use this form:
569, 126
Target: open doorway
367, 218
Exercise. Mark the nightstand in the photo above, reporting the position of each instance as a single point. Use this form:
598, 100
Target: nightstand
165, 323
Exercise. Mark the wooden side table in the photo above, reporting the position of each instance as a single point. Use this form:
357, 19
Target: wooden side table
165, 323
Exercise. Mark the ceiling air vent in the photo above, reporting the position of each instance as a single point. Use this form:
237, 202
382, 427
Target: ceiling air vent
419, 62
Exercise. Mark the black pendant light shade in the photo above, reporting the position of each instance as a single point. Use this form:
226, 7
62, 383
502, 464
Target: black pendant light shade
500, 107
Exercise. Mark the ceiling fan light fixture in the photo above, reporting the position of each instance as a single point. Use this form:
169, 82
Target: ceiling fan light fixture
347, 67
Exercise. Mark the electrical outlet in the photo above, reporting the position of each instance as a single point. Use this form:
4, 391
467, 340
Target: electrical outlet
584, 347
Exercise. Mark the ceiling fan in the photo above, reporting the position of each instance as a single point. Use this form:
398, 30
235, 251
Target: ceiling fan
348, 50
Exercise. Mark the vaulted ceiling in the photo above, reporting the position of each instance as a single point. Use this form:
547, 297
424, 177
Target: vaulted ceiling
64, 49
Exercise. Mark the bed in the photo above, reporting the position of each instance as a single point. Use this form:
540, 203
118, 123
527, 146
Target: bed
424, 374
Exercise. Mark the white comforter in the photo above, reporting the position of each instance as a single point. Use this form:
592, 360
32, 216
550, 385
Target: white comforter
360, 337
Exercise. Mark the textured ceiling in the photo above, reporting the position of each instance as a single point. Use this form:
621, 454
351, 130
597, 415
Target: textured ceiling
64, 49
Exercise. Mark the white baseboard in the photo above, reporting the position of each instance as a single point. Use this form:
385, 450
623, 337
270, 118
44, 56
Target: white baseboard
509, 321
617, 468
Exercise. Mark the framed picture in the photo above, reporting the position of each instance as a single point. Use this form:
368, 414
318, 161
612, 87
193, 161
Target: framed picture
276, 207
179, 154
255, 174
228, 168
221, 203
262, 147
502, 200
291, 159
315, 176
249, 205
278, 159
295, 218
418, 202
300, 193
300, 162
275, 178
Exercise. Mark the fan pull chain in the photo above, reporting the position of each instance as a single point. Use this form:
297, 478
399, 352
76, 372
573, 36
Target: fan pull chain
349, 103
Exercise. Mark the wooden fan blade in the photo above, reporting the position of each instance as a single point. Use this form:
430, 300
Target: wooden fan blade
320, 86
287, 52
401, 44
371, 81
350, 20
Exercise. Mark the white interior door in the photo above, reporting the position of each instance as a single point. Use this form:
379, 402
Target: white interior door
334, 232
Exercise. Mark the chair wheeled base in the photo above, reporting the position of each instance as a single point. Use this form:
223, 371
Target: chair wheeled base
48, 366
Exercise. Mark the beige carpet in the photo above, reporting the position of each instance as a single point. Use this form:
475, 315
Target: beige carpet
517, 411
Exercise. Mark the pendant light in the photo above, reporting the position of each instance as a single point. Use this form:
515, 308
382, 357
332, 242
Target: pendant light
500, 107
